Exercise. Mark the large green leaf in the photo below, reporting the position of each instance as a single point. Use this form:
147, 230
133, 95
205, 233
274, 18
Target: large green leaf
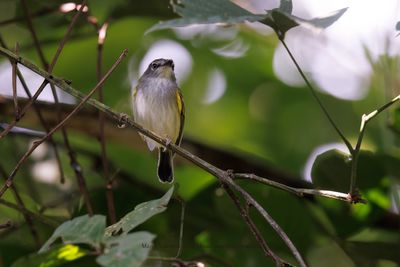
140, 214
57, 256
83, 229
224, 11
206, 12
331, 171
127, 250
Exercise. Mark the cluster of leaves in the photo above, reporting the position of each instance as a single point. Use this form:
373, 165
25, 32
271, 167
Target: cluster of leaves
114, 245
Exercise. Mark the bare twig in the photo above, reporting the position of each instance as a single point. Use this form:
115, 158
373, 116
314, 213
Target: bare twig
66, 36
6, 225
182, 221
39, 217
314, 93
356, 152
39, 13
40, 116
246, 217
14, 84
77, 108
22, 206
26, 107
298, 191
106, 172
250, 201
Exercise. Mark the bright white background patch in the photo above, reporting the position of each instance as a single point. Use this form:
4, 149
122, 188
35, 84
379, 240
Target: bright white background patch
33, 82
318, 151
216, 86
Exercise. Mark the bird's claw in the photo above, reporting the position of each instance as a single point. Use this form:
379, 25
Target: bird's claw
123, 118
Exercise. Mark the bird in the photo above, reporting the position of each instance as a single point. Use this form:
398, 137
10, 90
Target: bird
158, 106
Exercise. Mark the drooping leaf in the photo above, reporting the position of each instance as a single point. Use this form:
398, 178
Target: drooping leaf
83, 229
127, 250
57, 256
224, 11
282, 21
331, 171
140, 214
206, 12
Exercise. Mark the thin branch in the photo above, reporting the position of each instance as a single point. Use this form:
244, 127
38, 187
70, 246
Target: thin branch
315, 95
33, 32
26, 107
14, 84
250, 200
22, 206
39, 114
182, 221
6, 225
356, 153
246, 217
106, 173
298, 191
39, 217
62, 123
66, 36
39, 13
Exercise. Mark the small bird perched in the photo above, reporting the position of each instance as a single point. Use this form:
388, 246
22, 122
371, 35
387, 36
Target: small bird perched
158, 106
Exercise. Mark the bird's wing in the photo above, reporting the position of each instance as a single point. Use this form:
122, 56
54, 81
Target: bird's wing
181, 109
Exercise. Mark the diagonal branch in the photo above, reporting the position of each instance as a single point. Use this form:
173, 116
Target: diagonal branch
39, 115
61, 124
246, 217
21, 204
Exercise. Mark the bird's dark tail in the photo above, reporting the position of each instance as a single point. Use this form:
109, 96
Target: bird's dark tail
165, 170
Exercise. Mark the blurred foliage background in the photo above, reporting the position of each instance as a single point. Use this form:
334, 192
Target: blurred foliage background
239, 115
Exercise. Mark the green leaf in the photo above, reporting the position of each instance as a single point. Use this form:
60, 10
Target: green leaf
331, 171
127, 250
140, 214
83, 229
282, 21
224, 11
57, 256
206, 12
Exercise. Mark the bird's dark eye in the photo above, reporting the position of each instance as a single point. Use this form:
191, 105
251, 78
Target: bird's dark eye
173, 66
153, 66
